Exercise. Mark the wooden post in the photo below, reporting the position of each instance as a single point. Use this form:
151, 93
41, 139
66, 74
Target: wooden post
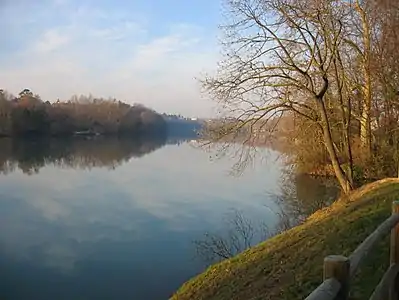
394, 293
338, 267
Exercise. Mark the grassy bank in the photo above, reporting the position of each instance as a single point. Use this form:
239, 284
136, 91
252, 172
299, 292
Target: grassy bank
289, 266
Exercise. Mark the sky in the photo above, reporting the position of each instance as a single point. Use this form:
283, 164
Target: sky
138, 51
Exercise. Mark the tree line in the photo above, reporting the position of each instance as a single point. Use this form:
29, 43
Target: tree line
28, 114
322, 73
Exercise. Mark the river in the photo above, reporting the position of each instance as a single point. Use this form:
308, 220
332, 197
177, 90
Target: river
116, 219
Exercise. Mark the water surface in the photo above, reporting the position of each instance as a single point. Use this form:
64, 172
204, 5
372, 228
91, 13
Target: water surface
116, 219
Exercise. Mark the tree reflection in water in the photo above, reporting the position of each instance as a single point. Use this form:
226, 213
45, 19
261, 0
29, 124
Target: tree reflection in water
300, 195
30, 155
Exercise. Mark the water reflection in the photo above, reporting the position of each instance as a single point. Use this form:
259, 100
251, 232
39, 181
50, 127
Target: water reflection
299, 196
79, 152
73, 229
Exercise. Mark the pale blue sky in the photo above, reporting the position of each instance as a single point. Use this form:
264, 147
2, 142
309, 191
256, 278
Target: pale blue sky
145, 51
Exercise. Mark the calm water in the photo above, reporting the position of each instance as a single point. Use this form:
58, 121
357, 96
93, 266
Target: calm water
112, 219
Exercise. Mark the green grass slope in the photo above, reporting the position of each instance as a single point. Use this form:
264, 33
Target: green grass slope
289, 266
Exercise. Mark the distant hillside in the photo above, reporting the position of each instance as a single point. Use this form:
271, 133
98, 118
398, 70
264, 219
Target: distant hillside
183, 127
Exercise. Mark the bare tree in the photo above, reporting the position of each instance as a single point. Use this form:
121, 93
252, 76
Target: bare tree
358, 39
279, 57
386, 74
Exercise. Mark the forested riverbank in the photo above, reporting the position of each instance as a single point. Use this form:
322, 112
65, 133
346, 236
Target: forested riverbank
29, 115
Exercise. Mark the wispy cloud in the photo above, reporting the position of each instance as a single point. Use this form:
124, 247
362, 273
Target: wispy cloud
118, 31
66, 47
51, 40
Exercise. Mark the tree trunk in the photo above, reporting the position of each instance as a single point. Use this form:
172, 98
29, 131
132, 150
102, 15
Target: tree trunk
349, 150
346, 118
397, 153
365, 122
342, 178
365, 130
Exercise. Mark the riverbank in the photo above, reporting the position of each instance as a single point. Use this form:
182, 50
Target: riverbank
289, 266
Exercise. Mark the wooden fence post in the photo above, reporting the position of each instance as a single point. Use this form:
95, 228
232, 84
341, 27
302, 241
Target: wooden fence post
338, 267
394, 293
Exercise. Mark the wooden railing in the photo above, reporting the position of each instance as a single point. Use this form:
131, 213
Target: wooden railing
338, 269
